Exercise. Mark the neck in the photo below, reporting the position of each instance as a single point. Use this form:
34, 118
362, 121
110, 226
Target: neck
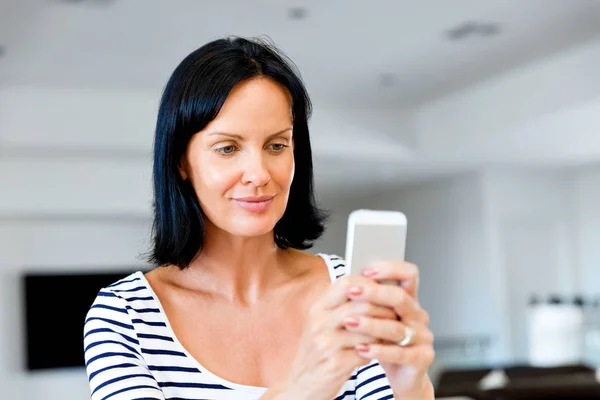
240, 269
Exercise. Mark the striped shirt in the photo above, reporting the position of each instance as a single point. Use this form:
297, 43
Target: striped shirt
131, 352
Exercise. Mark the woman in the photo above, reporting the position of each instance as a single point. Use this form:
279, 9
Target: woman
235, 309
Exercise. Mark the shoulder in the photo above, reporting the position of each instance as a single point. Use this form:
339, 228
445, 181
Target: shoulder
108, 320
112, 303
321, 266
129, 286
336, 265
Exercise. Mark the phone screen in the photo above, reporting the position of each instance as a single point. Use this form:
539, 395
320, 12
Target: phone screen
373, 242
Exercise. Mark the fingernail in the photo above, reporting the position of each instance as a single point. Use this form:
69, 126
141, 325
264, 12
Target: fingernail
351, 322
370, 272
362, 348
355, 290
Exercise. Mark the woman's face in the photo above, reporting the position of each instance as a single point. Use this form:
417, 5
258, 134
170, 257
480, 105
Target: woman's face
242, 164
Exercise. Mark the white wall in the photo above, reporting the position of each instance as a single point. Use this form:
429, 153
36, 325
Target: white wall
503, 116
34, 120
333, 240
79, 185
446, 240
531, 233
485, 242
587, 209
55, 244
75, 178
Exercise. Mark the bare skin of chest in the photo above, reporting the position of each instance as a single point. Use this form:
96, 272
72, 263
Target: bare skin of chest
248, 344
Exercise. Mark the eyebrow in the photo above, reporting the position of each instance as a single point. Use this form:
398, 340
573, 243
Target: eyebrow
239, 137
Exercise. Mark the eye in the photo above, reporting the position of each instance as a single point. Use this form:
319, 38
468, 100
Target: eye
278, 146
226, 150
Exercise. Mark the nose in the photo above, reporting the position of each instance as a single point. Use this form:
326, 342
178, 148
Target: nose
256, 172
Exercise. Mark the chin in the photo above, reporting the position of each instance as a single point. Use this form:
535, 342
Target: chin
253, 225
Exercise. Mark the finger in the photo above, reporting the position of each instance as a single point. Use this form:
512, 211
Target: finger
349, 340
407, 274
337, 294
340, 347
389, 330
352, 310
405, 306
341, 339
419, 357
346, 360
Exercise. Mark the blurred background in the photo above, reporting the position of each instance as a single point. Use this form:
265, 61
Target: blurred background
480, 120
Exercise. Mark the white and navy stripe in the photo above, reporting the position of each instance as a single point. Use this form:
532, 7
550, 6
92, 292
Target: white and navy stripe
132, 353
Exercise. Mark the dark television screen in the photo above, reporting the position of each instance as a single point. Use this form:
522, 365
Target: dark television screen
55, 308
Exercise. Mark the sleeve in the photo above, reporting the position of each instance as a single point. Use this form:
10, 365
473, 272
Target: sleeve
113, 360
372, 384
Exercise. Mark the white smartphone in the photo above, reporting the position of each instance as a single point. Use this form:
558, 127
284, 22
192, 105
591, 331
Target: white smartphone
374, 235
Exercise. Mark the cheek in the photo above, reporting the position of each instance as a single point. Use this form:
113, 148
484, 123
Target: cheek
285, 171
212, 179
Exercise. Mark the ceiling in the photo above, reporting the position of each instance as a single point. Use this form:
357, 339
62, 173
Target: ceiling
365, 60
380, 53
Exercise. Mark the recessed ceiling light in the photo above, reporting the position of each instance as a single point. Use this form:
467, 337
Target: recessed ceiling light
462, 30
472, 28
489, 29
387, 80
87, 2
298, 13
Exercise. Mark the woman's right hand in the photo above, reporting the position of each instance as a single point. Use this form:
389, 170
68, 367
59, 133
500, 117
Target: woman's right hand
326, 354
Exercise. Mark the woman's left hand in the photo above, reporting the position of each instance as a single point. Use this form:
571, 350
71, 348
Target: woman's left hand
405, 364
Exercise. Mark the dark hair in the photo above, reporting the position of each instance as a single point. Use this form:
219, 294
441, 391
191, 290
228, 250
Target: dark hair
191, 99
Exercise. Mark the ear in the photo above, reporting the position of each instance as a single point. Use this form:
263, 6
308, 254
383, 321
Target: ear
183, 169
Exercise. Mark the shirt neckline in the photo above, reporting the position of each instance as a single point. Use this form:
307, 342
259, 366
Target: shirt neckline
258, 390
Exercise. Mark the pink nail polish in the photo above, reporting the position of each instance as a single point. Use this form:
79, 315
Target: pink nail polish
355, 290
370, 272
351, 322
362, 348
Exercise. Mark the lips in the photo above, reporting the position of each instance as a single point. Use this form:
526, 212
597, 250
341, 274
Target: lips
255, 204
